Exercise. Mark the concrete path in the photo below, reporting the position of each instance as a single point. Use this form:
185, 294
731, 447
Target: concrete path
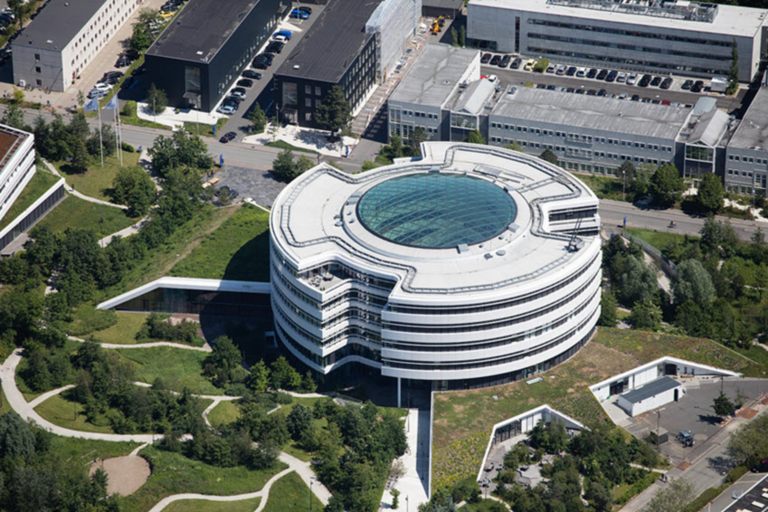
27, 412
151, 344
413, 484
75, 193
48, 394
125, 232
304, 470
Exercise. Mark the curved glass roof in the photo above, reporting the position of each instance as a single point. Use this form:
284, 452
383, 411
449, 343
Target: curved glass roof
436, 211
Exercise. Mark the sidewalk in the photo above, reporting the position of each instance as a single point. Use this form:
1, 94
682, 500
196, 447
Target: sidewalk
412, 485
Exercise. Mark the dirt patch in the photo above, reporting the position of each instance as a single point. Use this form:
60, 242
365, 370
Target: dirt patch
126, 474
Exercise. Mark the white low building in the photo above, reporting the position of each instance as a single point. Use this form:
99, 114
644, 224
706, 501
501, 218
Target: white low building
651, 396
474, 265
65, 36
17, 164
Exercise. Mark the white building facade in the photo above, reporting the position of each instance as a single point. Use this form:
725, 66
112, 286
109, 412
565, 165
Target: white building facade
17, 164
671, 37
472, 266
55, 48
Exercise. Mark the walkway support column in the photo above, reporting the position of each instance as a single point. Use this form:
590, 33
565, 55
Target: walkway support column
398, 392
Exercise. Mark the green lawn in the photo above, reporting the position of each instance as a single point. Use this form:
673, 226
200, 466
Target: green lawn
159, 261
483, 506
68, 414
40, 182
128, 116
285, 145
172, 473
224, 414
604, 187
86, 319
74, 212
214, 506
81, 452
205, 130
178, 368
291, 493
658, 239
124, 330
238, 249
463, 419
97, 180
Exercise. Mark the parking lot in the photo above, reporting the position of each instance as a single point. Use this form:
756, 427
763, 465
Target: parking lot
694, 412
262, 89
566, 78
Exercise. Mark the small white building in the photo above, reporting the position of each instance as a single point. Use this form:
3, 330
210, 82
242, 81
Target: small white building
651, 396
55, 48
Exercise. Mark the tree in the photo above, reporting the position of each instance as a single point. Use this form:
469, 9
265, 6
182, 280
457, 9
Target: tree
134, 188
672, 498
645, 315
632, 280
718, 237
549, 156
334, 113
666, 185
418, 136
78, 156
475, 137
258, 119
258, 380
723, 406
395, 499
299, 421
514, 146
223, 365
17, 440
454, 36
283, 375
180, 150
283, 167
14, 116
693, 283
608, 307
156, 100
462, 36
101, 145
21, 9
599, 496
711, 193
749, 445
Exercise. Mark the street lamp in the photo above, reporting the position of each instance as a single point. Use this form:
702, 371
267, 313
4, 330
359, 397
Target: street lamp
311, 481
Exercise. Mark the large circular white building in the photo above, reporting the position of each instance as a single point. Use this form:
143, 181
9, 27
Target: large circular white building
474, 265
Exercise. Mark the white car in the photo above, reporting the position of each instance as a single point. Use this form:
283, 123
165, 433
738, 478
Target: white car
226, 110
96, 93
621, 77
492, 78
102, 86
280, 38
581, 72
632, 78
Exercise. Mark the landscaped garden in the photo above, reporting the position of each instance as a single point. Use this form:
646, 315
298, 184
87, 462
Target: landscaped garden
74, 212
463, 419
177, 368
291, 493
214, 506
97, 180
238, 249
40, 182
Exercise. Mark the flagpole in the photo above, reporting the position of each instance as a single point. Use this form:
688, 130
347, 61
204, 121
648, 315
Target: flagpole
117, 143
101, 141
119, 135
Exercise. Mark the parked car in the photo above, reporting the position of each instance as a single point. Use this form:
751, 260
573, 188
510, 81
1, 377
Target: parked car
263, 61
102, 86
592, 73
655, 81
621, 77
529, 65
245, 82
635, 97
299, 14
274, 47
697, 86
504, 62
287, 34
666, 83
495, 60
96, 93
249, 73
305, 8
632, 78
602, 92
485, 58
112, 77
687, 85
279, 39
581, 72
611, 76
601, 74
122, 61
560, 70
516, 63
227, 108
238, 92
227, 137
570, 71
644, 81
550, 68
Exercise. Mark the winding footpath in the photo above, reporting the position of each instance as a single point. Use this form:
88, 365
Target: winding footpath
80, 195
150, 344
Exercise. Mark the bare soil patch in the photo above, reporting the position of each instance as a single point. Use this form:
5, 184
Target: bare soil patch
126, 474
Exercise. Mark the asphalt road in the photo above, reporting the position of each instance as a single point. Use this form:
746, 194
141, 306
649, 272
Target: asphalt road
519, 77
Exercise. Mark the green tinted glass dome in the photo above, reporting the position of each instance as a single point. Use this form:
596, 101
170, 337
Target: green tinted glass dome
436, 211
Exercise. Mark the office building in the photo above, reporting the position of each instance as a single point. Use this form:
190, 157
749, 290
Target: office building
666, 37
746, 162
64, 37
353, 44
198, 57
474, 265
17, 164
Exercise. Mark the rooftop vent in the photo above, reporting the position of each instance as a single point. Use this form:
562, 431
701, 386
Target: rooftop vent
296, 66
199, 52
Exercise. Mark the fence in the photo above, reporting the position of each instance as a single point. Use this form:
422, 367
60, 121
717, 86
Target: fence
666, 266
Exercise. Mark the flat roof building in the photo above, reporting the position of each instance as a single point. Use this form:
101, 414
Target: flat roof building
353, 44
64, 37
17, 164
439, 269
199, 55
746, 161
677, 37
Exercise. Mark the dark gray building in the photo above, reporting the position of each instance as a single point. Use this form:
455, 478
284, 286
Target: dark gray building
203, 51
335, 51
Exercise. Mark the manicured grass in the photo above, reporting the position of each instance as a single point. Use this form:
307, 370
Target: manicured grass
463, 419
178, 368
97, 180
128, 116
658, 239
214, 506
159, 261
68, 414
285, 145
124, 330
224, 414
74, 212
604, 187
483, 506
40, 182
81, 452
291, 493
86, 319
238, 249
172, 473
205, 130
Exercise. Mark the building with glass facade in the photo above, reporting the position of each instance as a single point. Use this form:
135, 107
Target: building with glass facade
474, 265
675, 37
